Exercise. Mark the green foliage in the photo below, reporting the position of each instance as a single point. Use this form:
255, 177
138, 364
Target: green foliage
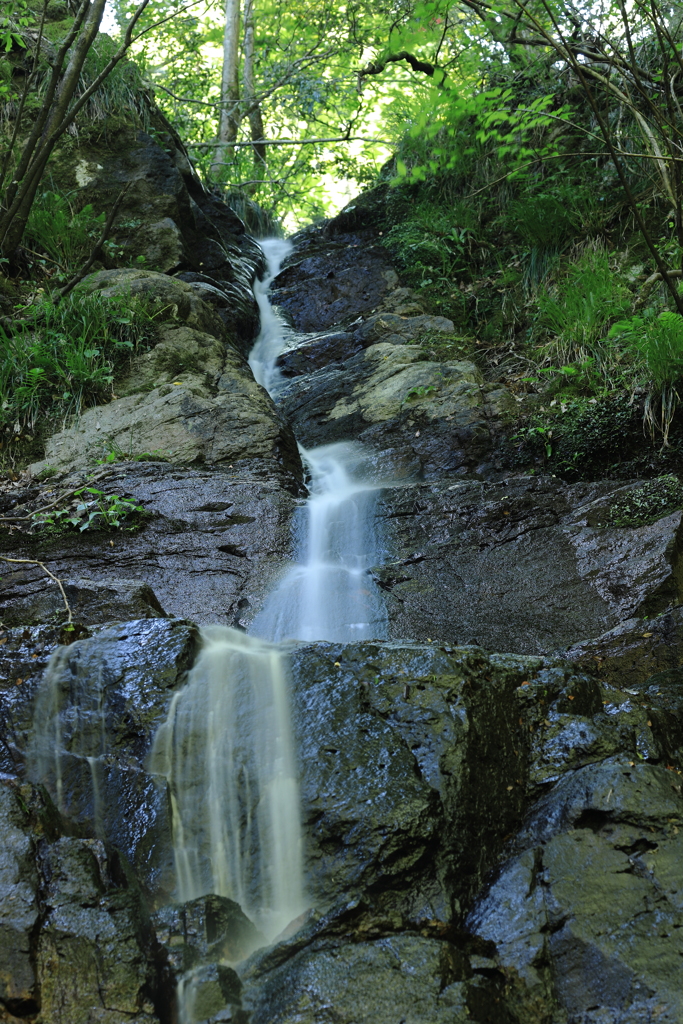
92, 509
66, 236
658, 339
444, 347
579, 310
432, 246
420, 391
581, 438
647, 504
115, 453
60, 358
14, 18
123, 91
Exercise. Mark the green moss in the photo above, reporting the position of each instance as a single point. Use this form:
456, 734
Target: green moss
651, 502
445, 348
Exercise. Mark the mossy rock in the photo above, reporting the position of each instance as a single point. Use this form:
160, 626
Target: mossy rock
647, 504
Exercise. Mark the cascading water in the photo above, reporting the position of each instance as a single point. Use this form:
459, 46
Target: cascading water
329, 595
271, 338
225, 750
227, 754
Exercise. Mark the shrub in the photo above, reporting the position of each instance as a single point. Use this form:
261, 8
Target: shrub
647, 504
67, 238
657, 341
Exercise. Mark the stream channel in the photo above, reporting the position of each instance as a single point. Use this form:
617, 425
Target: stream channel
226, 748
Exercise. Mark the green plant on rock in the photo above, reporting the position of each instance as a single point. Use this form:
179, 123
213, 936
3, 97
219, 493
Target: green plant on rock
92, 509
445, 347
115, 453
420, 391
648, 503
65, 236
58, 359
582, 437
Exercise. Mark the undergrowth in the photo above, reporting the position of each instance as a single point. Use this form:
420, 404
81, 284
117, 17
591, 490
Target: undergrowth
647, 504
541, 279
57, 359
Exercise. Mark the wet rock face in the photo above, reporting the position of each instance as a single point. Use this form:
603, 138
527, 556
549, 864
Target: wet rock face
76, 946
328, 281
499, 746
521, 565
421, 765
420, 978
96, 713
167, 216
233, 531
588, 913
428, 418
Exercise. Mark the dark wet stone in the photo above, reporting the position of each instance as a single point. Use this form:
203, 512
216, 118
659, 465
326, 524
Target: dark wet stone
339, 280
355, 969
515, 567
210, 928
634, 650
75, 940
90, 602
231, 527
414, 766
311, 352
96, 713
24, 653
588, 914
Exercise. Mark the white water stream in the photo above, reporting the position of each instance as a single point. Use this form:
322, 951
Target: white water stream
227, 754
226, 749
328, 594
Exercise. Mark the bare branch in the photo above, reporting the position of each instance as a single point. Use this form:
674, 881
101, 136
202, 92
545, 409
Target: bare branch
33, 561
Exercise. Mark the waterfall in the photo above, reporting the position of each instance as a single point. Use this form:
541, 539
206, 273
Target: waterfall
227, 754
69, 747
329, 595
225, 751
271, 338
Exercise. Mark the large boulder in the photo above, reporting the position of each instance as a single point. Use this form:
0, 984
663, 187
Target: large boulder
96, 712
190, 399
167, 218
428, 418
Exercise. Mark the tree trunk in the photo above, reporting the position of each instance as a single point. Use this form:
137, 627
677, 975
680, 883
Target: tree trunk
230, 90
253, 107
57, 111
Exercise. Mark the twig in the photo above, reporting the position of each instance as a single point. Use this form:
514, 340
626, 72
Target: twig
290, 142
33, 561
97, 251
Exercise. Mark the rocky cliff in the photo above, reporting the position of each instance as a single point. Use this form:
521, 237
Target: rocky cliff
491, 799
